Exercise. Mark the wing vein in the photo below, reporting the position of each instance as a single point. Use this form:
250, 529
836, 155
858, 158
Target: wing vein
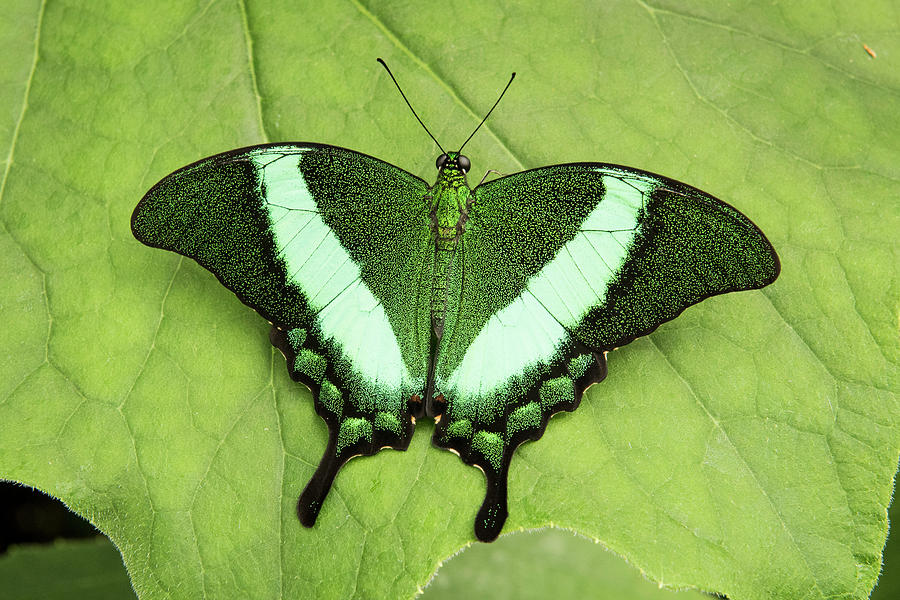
538, 300
598, 253
293, 238
311, 254
292, 208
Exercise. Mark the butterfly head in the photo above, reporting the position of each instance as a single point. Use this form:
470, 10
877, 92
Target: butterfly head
453, 161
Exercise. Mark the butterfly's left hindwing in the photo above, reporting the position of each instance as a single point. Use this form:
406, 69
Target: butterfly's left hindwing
559, 265
329, 245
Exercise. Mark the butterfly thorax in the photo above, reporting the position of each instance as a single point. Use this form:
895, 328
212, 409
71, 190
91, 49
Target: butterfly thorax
450, 199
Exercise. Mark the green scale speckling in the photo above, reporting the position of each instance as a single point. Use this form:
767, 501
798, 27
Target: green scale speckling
488, 309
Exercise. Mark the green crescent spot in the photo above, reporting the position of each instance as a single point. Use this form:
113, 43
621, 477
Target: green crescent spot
487, 309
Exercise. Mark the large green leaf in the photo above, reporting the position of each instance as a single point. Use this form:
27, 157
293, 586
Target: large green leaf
747, 448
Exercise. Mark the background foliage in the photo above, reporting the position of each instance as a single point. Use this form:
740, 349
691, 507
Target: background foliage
747, 448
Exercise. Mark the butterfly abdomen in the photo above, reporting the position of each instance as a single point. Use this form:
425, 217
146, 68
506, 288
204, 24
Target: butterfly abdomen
443, 269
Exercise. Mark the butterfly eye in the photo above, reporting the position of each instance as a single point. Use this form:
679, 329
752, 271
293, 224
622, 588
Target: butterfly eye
441, 161
464, 163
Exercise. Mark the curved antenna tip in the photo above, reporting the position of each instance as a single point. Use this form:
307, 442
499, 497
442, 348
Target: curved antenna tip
399, 89
513, 76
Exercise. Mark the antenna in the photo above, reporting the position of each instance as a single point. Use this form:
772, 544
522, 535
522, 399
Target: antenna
384, 64
489, 112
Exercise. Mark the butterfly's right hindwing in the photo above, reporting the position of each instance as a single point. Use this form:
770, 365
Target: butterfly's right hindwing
328, 245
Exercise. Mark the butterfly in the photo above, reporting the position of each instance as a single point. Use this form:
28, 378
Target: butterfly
487, 309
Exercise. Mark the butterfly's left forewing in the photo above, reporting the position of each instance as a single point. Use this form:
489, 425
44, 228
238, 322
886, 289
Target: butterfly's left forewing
330, 246
559, 265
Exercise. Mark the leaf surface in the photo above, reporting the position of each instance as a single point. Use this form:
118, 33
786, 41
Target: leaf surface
747, 448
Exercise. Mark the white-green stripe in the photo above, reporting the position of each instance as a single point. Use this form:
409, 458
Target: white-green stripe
530, 330
316, 262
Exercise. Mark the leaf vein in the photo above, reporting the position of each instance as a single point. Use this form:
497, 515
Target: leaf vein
251, 65
15, 137
718, 425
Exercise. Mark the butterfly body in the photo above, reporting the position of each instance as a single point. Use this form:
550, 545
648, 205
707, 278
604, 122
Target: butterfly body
450, 199
489, 309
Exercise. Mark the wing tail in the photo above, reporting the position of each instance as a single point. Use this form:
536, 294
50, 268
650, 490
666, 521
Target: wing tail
486, 440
